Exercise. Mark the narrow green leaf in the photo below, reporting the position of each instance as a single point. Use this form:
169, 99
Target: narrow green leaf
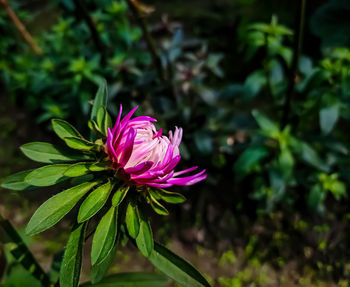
54, 209
79, 144
94, 127
77, 169
144, 239
101, 113
98, 271
99, 166
101, 99
120, 194
47, 175
171, 197
16, 181
132, 219
72, 259
157, 207
104, 237
82, 168
49, 153
135, 279
94, 202
176, 268
64, 129
107, 122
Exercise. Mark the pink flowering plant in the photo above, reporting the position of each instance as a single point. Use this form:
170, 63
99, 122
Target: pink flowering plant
117, 175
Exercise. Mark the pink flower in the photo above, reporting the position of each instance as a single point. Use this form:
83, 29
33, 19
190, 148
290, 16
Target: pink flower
145, 157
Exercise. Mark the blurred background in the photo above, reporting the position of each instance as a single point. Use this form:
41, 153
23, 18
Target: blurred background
262, 91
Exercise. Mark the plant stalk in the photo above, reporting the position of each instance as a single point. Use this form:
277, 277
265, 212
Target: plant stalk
297, 47
21, 28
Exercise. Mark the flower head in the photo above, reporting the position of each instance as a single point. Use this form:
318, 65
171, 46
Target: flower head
143, 156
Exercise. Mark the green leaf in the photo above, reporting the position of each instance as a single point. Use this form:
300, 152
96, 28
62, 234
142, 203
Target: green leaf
99, 166
79, 143
104, 120
249, 159
331, 23
78, 169
107, 122
94, 127
94, 202
316, 198
100, 99
72, 259
120, 194
176, 268
309, 155
81, 179
132, 219
253, 84
268, 126
82, 168
144, 239
157, 207
17, 181
64, 129
171, 197
101, 113
49, 153
98, 271
105, 236
328, 118
54, 209
47, 175
135, 279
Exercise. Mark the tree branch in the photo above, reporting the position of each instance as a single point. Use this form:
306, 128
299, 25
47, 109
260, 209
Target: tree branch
21, 28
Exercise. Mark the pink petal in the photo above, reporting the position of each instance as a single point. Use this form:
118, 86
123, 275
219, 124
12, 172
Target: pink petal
129, 144
185, 171
140, 168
